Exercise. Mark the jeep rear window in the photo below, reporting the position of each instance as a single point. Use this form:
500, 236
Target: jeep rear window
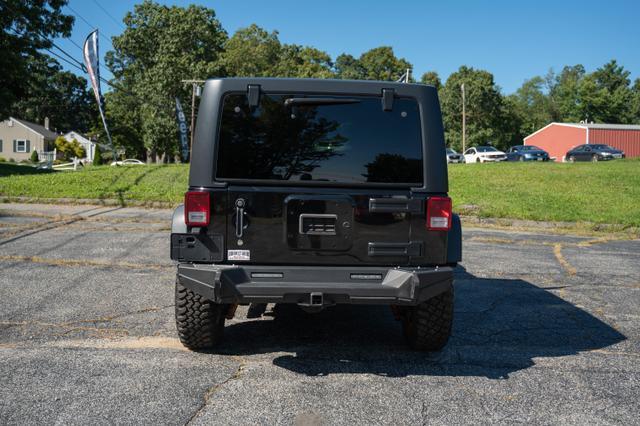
350, 141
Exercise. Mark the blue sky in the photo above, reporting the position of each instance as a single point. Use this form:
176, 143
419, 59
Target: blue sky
514, 40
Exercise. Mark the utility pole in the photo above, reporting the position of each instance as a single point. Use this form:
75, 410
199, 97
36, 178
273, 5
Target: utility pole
194, 86
464, 120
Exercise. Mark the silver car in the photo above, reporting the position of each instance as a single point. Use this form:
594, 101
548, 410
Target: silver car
454, 157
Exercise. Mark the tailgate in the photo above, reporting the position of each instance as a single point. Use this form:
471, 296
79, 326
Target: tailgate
318, 226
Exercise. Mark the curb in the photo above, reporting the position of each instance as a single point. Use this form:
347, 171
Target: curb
466, 219
90, 201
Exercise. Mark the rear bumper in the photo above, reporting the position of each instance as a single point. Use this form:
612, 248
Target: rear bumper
297, 284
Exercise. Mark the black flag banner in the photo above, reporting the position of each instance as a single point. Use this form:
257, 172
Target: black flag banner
92, 62
182, 127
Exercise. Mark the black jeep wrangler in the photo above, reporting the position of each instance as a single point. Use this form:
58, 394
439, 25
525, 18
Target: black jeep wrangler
316, 193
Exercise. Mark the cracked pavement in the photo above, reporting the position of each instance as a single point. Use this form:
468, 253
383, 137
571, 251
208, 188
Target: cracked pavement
546, 331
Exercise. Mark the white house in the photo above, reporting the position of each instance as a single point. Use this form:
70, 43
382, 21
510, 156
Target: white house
88, 145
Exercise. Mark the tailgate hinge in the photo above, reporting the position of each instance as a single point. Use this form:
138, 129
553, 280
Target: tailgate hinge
253, 95
387, 99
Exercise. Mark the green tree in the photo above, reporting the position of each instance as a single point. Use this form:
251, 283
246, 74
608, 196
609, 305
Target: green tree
612, 82
63, 147
349, 68
61, 96
635, 106
382, 64
432, 79
125, 123
270, 58
251, 52
602, 96
531, 105
160, 46
77, 149
379, 63
26, 27
485, 110
97, 157
303, 62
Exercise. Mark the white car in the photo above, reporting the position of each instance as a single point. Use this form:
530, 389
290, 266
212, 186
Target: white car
483, 154
128, 162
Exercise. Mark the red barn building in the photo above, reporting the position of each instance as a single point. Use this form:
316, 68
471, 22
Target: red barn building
558, 138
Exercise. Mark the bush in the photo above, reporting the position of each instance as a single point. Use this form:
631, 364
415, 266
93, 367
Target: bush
34, 157
63, 147
69, 149
97, 157
3, 160
78, 149
11, 160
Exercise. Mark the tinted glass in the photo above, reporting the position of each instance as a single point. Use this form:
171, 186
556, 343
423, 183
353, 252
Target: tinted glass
486, 149
355, 142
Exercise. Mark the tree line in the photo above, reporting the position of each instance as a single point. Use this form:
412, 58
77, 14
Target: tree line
162, 45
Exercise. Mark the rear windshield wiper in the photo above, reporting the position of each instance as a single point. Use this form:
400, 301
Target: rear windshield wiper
319, 101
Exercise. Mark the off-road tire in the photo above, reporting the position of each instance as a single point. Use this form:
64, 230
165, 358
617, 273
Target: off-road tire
427, 327
199, 321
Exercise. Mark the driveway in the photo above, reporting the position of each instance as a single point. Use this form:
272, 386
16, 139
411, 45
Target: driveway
546, 330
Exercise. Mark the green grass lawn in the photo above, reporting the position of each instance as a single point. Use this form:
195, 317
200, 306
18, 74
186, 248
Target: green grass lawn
592, 192
129, 183
601, 192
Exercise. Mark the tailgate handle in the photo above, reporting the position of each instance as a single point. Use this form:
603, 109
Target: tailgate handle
396, 205
240, 203
412, 248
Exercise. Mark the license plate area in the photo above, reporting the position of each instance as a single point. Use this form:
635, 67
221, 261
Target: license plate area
317, 224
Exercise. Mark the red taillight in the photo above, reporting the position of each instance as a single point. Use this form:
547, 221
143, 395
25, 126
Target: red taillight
439, 214
196, 208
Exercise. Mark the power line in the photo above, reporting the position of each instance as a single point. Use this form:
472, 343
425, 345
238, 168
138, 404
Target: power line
79, 16
109, 15
75, 62
65, 60
75, 44
88, 23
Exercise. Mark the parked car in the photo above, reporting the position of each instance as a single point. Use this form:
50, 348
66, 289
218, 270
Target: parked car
362, 218
128, 162
527, 153
483, 154
454, 157
593, 152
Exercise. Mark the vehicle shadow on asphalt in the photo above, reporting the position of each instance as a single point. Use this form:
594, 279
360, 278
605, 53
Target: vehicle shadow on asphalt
500, 327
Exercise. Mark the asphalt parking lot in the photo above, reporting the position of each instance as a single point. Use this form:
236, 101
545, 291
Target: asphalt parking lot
547, 330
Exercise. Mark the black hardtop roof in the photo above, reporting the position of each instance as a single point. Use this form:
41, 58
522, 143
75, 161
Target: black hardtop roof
319, 85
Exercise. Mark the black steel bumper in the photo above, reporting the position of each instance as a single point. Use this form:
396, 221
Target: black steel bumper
312, 286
